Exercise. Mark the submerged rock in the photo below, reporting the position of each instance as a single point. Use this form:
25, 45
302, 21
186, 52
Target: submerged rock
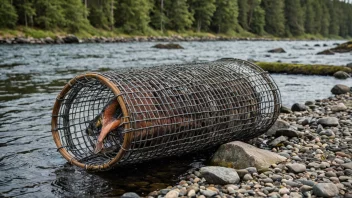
168, 46
130, 195
340, 89
341, 75
240, 155
326, 52
277, 50
343, 48
70, 39
219, 175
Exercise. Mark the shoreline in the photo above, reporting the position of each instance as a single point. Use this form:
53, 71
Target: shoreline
72, 39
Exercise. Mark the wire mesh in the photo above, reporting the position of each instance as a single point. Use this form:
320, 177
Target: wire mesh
171, 110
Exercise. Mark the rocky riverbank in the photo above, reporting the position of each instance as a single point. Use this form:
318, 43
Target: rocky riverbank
306, 153
74, 39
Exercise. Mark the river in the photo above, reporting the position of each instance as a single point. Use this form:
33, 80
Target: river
32, 75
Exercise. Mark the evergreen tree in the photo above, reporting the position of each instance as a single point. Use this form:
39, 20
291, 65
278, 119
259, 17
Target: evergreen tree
325, 20
158, 17
49, 14
309, 17
334, 26
294, 17
8, 15
243, 8
274, 17
225, 16
178, 15
133, 16
258, 21
74, 13
99, 13
203, 12
318, 14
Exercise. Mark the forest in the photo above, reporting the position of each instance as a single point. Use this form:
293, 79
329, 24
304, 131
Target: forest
278, 18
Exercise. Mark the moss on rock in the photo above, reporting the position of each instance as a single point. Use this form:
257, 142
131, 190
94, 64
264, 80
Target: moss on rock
305, 69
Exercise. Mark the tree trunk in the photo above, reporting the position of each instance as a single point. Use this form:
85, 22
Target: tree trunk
25, 19
161, 14
112, 15
198, 26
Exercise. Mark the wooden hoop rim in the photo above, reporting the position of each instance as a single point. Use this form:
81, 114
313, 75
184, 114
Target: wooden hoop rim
54, 123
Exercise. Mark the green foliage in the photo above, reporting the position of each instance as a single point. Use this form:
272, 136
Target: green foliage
203, 12
294, 17
242, 18
274, 17
8, 15
178, 14
243, 8
258, 22
225, 16
133, 16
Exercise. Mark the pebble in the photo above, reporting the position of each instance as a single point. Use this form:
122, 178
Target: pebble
325, 190
172, 194
296, 168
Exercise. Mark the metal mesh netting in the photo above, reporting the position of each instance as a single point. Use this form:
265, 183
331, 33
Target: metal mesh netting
167, 110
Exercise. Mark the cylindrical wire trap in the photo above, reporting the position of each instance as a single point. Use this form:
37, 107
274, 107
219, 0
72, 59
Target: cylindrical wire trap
165, 111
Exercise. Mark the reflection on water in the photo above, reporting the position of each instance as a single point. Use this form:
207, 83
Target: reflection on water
31, 76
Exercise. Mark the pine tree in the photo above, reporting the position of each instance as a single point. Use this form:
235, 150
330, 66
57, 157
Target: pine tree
294, 17
74, 13
8, 15
318, 14
225, 16
49, 14
309, 17
334, 26
158, 18
243, 8
274, 17
258, 21
203, 12
133, 16
178, 15
99, 13
325, 20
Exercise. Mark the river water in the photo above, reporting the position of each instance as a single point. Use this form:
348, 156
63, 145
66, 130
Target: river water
32, 75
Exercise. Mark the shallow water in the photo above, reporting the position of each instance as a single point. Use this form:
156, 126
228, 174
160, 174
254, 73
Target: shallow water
32, 75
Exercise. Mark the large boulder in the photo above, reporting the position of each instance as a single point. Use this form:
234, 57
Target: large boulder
277, 50
70, 39
240, 155
325, 190
343, 48
328, 121
168, 46
341, 75
340, 89
279, 124
326, 52
219, 175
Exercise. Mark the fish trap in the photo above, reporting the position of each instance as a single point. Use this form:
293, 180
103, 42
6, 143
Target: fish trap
166, 110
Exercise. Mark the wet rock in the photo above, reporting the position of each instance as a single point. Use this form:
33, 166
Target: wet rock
296, 168
70, 39
279, 124
49, 40
278, 140
287, 133
326, 52
349, 65
341, 75
340, 89
277, 50
284, 109
325, 190
130, 195
168, 46
219, 175
191, 193
343, 48
328, 121
241, 155
299, 107
338, 107
20, 40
